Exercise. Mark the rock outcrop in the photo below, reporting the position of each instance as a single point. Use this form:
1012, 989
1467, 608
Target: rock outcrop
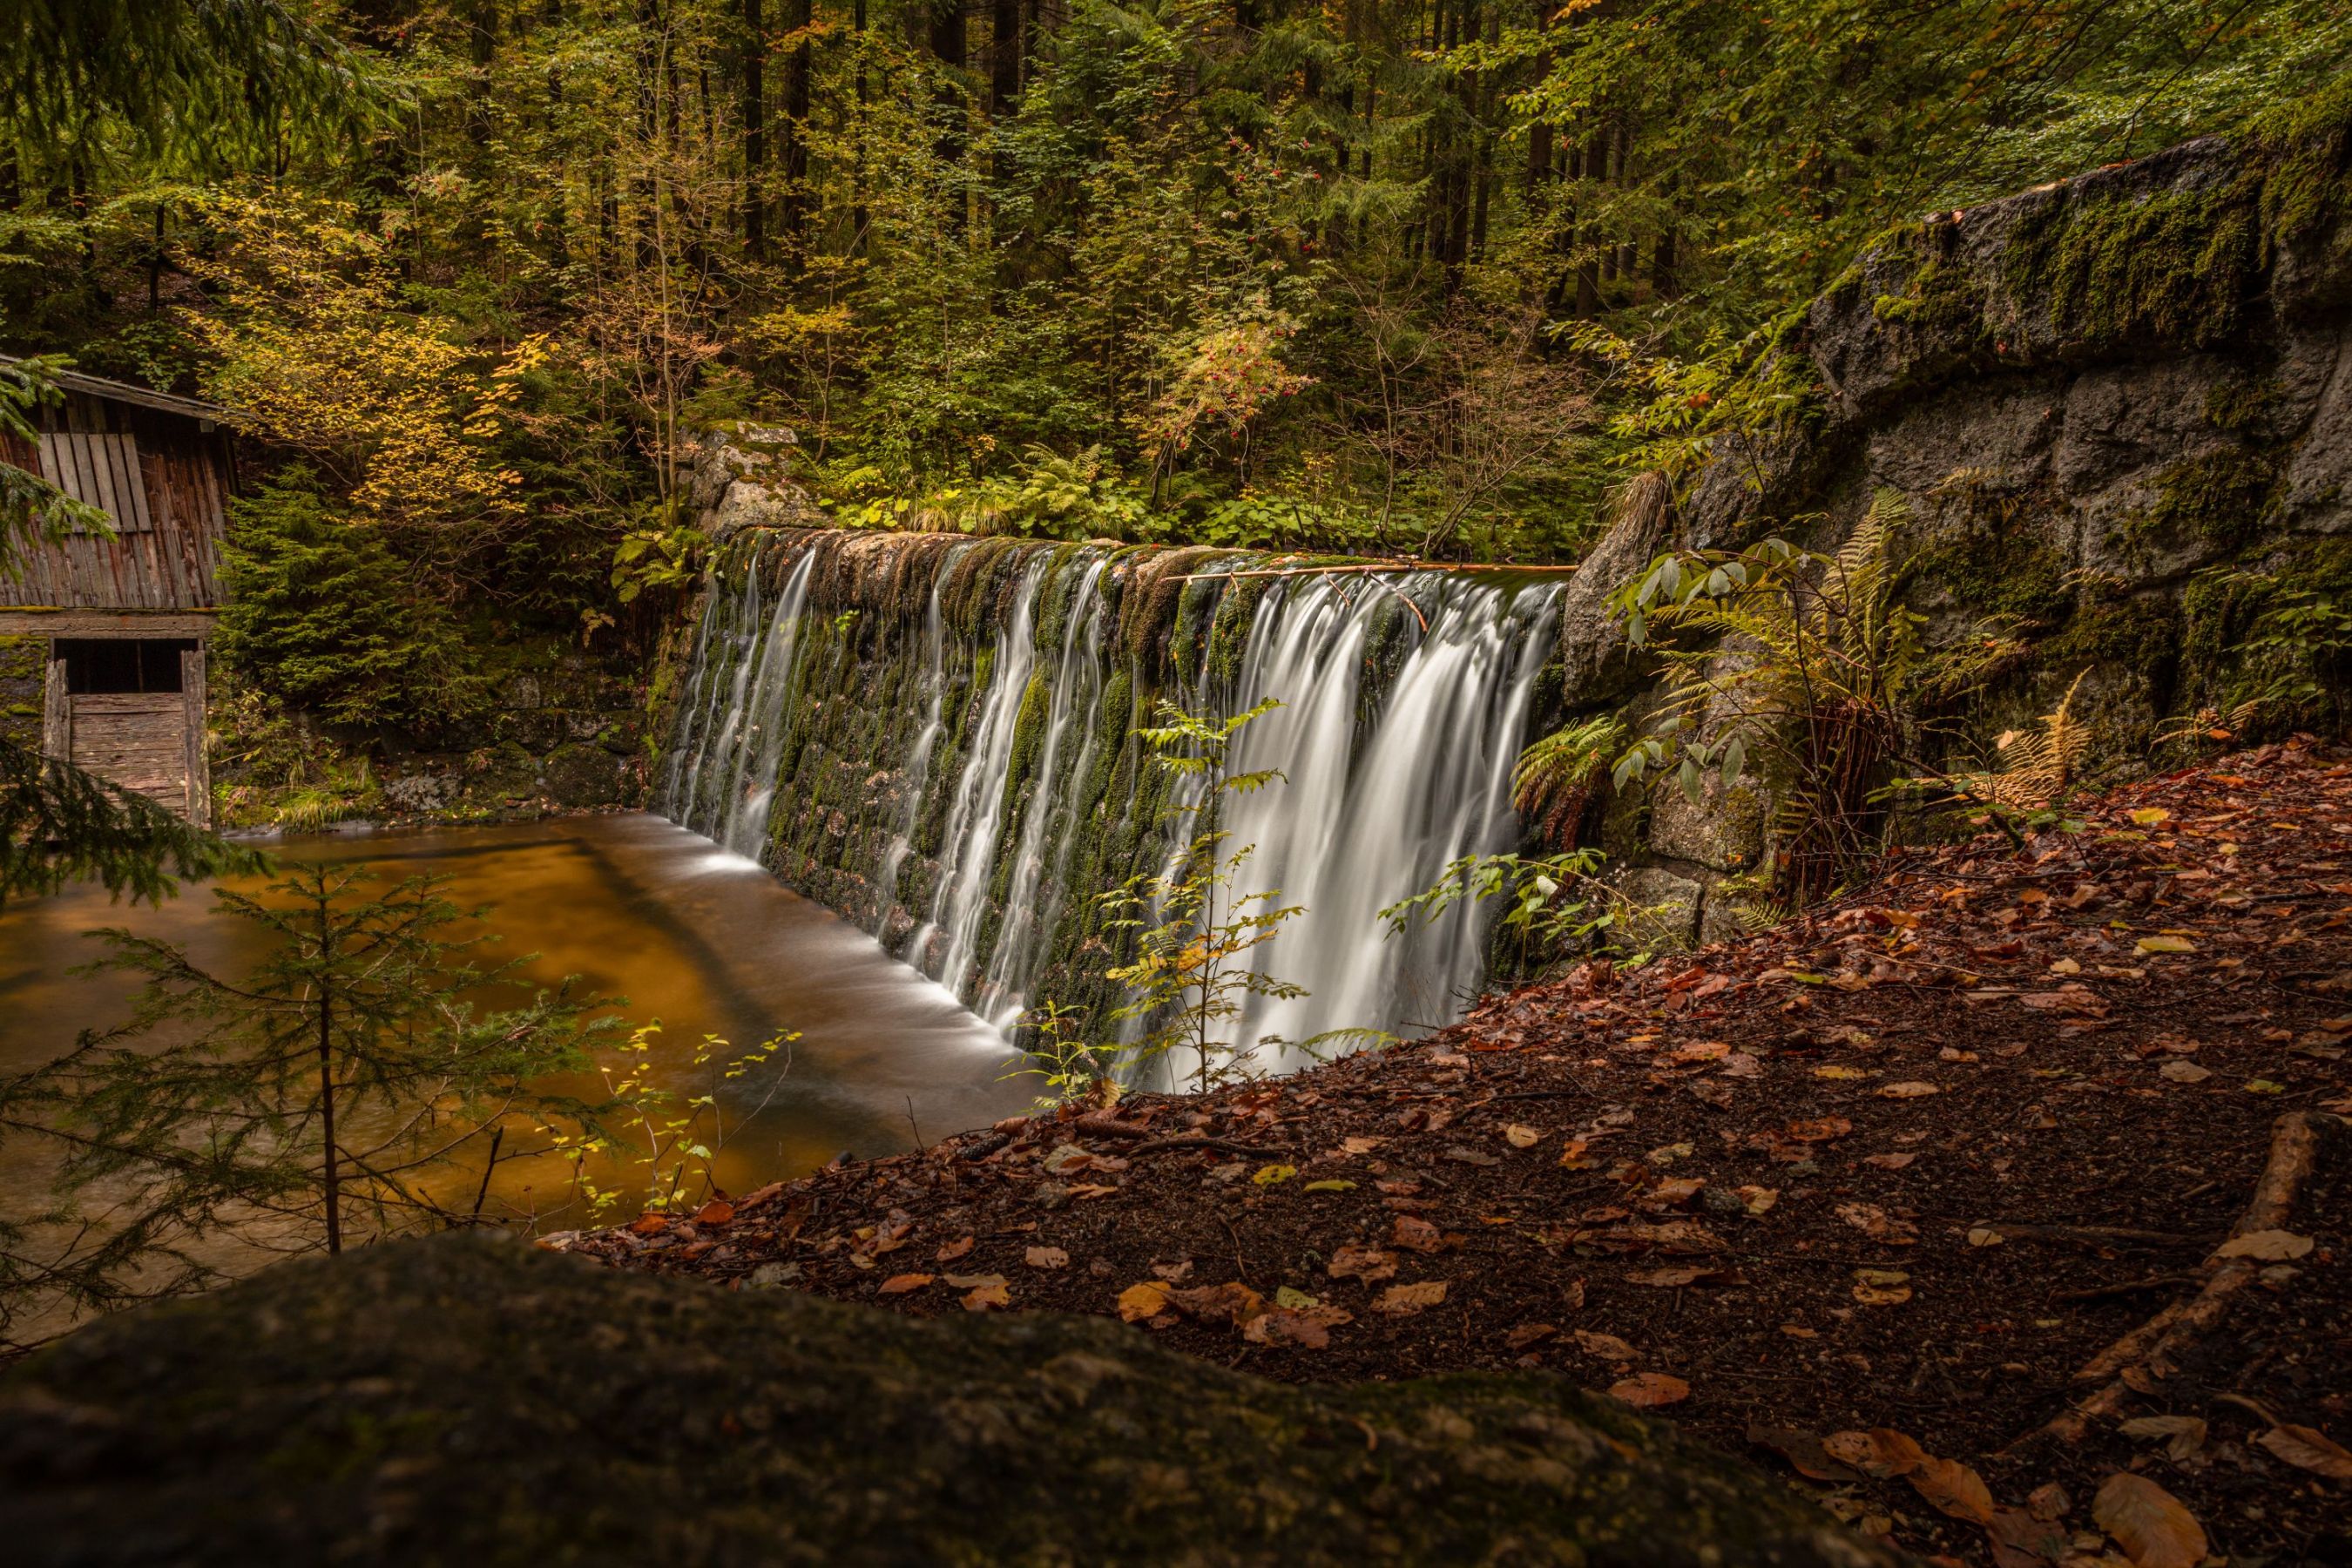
2119, 411
469, 1399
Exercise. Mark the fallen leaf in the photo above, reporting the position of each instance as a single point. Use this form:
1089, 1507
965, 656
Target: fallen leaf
1820, 1130
950, 1251
1881, 1452
1148, 1300
899, 1284
1046, 1258
2165, 944
1521, 1137
1670, 1278
1268, 1175
649, 1223
2266, 1246
1648, 1390
1574, 1155
1330, 1185
1417, 1234
1673, 1190
2154, 1531
1232, 1302
1527, 1335
1888, 1161
1953, 1488
1985, 1236
2186, 1433
1404, 1301
1836, 1071
1608, 1347
718, 1211
2048, 1501
1881, 1287
2308, 1449
1878, 1224
1365, 1263
1912, 1089
1461, 1156
1308, 1328
1755, 1199
987, 1297
2183, 1072
1362, 1145
2150, 816
2021, 1539
1804, 1450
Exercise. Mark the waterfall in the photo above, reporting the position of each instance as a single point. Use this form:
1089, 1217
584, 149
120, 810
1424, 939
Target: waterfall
934, 736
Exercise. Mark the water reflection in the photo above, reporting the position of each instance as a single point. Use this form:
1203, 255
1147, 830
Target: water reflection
701, 939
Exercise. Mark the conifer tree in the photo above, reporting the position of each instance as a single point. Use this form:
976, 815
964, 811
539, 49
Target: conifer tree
346, 1089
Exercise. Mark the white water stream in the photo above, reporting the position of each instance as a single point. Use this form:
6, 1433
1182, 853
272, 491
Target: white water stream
1386, 782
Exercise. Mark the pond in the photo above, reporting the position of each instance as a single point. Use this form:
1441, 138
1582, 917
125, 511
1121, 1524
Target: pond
702, 940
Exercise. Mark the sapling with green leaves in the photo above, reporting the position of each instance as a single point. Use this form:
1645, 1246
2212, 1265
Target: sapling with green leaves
1192, 975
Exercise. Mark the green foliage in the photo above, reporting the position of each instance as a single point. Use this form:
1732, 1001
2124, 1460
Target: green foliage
1192, 975
314, 1102
666, 558
173, 74
1555, 776
32, 510
1808, 668
1555, 905
61, 824
658, 1145
2280, 653
321, 614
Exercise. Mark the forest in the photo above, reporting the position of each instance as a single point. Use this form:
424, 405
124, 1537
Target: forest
1196, 780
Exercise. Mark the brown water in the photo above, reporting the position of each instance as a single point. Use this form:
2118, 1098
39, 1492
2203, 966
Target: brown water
703, 941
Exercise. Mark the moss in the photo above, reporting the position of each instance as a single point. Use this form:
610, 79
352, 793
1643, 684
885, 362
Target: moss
2222, 498
2185, 266
2004, 571
2140, 632
1936, 298
2239, 404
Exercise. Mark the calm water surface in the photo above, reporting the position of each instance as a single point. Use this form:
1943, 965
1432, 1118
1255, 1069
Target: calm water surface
703, 941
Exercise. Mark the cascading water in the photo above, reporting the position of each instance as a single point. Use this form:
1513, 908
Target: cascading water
933, 735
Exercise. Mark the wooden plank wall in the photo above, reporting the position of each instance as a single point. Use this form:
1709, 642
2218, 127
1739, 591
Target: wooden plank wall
165, 557
139, 742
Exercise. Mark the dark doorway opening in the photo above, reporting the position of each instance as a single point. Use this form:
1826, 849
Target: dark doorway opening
121, 666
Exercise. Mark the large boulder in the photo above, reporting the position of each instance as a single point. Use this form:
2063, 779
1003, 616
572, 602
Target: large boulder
470, 1400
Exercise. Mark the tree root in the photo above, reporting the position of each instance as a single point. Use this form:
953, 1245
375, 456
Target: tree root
2152, 1350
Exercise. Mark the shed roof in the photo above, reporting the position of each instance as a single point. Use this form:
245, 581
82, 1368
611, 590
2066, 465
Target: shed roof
129, 392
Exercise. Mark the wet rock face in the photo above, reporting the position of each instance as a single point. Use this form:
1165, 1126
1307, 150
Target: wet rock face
467, 1400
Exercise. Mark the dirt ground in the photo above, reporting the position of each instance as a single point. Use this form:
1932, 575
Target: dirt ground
1856, 1197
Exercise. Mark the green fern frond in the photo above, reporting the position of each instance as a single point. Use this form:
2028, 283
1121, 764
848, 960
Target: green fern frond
1554, 778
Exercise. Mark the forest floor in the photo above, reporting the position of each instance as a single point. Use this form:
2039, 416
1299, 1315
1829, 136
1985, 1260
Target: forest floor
1860, 1196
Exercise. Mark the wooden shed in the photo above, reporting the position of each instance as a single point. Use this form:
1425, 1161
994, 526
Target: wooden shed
126, 619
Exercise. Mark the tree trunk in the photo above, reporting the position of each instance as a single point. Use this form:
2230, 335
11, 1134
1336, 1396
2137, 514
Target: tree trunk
1005, 53
330, 1179
797, 72
755, 131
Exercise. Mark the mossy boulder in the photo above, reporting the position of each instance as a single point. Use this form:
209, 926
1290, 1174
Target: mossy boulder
470, 1400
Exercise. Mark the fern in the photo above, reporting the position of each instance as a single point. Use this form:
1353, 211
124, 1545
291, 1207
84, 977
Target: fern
1555, 776
2043, 763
